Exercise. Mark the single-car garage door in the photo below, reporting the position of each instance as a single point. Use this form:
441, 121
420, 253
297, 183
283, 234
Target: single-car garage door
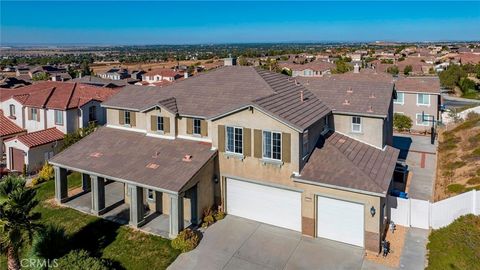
18, 159
266, 204
340, 220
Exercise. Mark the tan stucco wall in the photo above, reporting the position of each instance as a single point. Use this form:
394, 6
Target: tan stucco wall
113, 120
182, 129
163, 113
410, 108
372, 129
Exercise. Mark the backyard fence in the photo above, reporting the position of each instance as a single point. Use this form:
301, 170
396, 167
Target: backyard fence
424, 214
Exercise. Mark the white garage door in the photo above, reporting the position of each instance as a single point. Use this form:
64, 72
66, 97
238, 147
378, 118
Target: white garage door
266, 204
340, 221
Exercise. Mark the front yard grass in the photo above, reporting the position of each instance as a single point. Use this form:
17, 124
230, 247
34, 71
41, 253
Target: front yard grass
126, 247
455, 246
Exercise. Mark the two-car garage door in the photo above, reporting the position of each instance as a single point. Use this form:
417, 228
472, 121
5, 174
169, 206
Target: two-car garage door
271, 205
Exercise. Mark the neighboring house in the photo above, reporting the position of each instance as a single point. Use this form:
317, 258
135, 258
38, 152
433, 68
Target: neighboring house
161, 74
310, 69
32, 150
12, 82
137, 74
312, 158
417, 95
101, 82
65, 106
8, 129
115, 74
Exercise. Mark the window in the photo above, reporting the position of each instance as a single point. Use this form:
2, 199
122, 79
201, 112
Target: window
356, 124
12, 110
424, 121
150, 194
399, 99
197, 126
58, 117
234, 140
272, 145
423, 99
127, 118
34, 112
305, 143
159, 123
92, 114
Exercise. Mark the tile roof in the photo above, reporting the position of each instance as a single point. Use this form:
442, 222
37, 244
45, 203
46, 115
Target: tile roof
97, 81
8, 127
113, 153
41, 137
57, 95
164, 72
214, 93
314, 65
418, 84
346, 162
351, 94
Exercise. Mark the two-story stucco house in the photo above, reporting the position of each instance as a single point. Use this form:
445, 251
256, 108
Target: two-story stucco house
261, 145
160, 74
417, 96
311, 69
44, 106
115, 74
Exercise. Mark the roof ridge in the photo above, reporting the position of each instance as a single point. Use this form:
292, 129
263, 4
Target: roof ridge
71, 95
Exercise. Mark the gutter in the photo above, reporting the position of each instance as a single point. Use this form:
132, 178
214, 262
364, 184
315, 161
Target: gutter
309, 182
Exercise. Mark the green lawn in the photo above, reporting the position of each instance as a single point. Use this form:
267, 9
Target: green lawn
128, 249
456, 246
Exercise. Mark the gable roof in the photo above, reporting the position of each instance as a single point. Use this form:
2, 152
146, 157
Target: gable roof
418, 84
58, 95
8, 127
345, 162
215, 93
41, 137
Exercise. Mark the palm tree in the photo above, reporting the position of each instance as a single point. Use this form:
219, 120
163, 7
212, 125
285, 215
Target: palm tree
16, 218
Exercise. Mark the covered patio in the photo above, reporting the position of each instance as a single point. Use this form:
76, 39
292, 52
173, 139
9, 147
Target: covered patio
144, 192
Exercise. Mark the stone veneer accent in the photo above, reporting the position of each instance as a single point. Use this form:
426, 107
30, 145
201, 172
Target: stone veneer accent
308, 226
372, 241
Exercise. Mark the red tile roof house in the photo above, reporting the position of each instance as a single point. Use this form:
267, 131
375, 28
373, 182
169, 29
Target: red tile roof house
8, 129
312, 158
61, 106
161, 74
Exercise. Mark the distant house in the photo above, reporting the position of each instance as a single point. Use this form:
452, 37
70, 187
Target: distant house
417, 96
101, 82
114, 74
137, 74
312, 69
161, 74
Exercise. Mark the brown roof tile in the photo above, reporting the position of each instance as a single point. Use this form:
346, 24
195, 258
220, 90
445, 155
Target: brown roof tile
345, 162
418, 84
7, 127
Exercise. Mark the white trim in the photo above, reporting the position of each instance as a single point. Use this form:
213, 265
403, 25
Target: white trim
226, 137
119, 108
422, 104
160, 136
193, 138
422, 123
403, 99
271, 146
300, 180
127, 128
355, 124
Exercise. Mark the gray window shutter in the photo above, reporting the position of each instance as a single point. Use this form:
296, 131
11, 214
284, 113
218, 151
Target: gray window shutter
29, 113
121, 117
286, 146
221, 138
153, 122
257, 141
166, 124
204, 128
189, 125
133, 119
247, 142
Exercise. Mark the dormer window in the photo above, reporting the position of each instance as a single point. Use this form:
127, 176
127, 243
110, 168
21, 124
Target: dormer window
59, 117
160, 124
197, 126
12, 110
127, 117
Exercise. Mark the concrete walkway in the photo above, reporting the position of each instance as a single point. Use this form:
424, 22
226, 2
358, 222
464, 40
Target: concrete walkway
414, 251
236, 243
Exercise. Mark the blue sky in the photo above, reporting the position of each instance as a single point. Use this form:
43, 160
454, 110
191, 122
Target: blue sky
179, 22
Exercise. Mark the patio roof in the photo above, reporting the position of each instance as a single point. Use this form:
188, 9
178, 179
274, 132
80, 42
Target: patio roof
137, 158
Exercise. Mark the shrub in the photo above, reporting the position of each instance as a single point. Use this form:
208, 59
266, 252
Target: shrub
208, 218
46, 239
456, 188
186, 240
392, 70
455, 165
402, 122
407, 69
474, 181
219, 215
45, 174
81, 260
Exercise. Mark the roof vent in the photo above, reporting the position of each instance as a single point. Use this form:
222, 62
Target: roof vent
187, 158
301, 96
346, 102
370, 109
96, 154
372, 95
155, 155
152, 166
349, 90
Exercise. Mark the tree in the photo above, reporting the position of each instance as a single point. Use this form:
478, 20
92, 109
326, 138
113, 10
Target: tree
342, 67
466, 85
242, 61
16, 218
41, 76
286, 71
71, 138
450, 77
392, 70
85, 69
47, 238
402, 122
407, 69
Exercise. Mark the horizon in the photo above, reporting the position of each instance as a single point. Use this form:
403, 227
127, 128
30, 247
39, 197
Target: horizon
99, 23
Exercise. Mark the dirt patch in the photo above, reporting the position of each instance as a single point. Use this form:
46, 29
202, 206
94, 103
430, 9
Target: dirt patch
458, 159
74, 191
52, 203
102, 67
397, 240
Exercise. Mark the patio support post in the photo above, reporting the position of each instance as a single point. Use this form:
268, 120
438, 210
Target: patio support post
193, 205
136, 206
61, 186
158, 202
86, 183
176, 215
98, 194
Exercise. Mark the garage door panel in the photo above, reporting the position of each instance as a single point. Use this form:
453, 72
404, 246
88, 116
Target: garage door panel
269, 205
340, 221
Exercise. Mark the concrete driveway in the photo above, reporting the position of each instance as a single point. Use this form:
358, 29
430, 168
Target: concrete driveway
421, 158
236, 243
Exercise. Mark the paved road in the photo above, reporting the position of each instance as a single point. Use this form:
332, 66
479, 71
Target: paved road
450, 101
236, 243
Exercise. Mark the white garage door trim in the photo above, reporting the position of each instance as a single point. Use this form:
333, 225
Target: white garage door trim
272, 205
341, 220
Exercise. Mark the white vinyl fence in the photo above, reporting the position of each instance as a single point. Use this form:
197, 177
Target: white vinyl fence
424, 214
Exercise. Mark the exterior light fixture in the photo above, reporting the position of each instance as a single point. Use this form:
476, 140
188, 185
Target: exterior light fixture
372, 211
